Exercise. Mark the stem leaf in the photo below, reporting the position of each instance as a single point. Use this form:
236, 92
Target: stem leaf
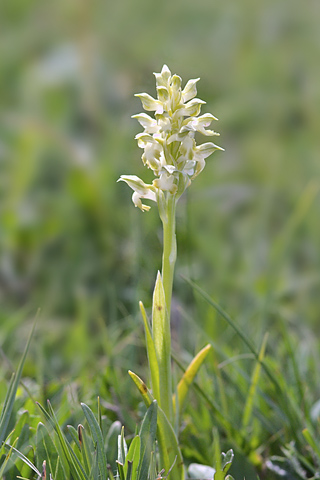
188, 376
152, 356
162, 343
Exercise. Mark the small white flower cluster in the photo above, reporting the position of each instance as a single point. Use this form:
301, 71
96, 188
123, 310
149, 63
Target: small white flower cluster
168, 140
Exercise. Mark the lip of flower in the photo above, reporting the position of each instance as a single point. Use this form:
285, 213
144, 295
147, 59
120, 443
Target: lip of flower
165, 182
199, 124
136, 198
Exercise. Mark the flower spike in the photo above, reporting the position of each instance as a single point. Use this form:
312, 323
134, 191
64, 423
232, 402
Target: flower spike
168, 139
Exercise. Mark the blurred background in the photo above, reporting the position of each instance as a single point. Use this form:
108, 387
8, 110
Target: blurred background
71, 242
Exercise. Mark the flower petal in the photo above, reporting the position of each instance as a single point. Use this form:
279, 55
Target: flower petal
144, 139
163, 94
138, 185
190, 90
149, 103
187, 147
192, 108
198, 124
163, 78
207, 149
149, 124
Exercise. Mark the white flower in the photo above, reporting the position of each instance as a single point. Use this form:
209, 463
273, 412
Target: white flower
141, 190
168, 139
198, 124
149, 103
149, 124
190, 90
201, 152
165, 182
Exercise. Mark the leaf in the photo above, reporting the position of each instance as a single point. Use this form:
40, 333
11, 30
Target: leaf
122, 447
197, 470
133, 457
7, 459
217, 457
22, 457
224, 314
70, 456
311, 441
23, 438
147, 437
23, 420
85, 443
120, 470
226, 460
143, 389
129, 471
152, 357
288, 406
168, 444
219, 416
188, 376
97, 436
111, 441
162, 344
12, 390
253, 387
46, 450
75, 435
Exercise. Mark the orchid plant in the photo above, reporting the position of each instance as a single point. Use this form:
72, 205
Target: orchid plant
171, 152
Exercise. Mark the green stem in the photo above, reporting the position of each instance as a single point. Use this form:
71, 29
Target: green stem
169, 249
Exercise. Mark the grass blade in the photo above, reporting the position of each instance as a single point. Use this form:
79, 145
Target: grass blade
253, 387
46, 450
69, 454
12, 390
75, 435
97, 436
6, 460
23, 458
85, 449
170, 453
313, 443
289, 407
120, 470
224, 315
